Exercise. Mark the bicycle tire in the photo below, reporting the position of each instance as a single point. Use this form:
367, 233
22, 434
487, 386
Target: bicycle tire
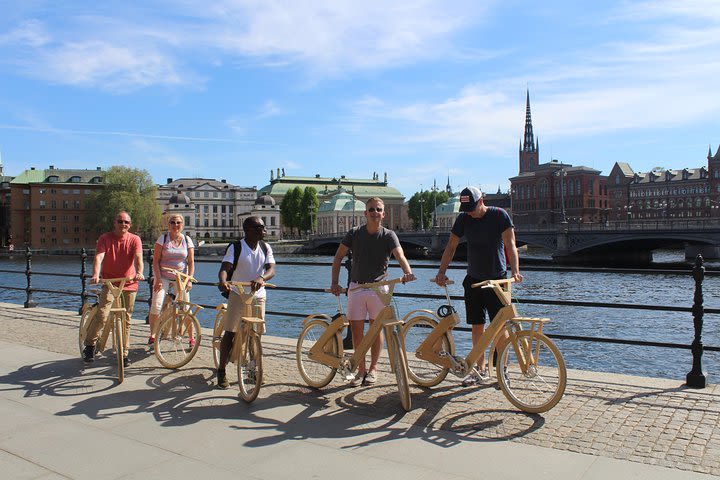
315, 374
86, 318
250, 369
423, 372
218, 329
397, 354
174, 345
119, 344
542, 386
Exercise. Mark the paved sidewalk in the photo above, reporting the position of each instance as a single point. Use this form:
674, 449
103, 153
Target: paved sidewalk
63, 420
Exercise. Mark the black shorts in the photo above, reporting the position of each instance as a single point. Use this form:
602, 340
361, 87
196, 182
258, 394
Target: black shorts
480, 303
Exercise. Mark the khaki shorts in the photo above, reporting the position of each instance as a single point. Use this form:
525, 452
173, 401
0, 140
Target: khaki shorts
236, 310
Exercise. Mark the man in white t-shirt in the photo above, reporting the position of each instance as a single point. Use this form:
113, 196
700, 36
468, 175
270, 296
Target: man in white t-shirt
255, 264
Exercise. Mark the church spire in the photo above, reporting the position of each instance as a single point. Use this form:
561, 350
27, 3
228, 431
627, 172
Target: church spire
529, 147
529, 144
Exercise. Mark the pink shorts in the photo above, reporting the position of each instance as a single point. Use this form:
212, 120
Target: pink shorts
363, 303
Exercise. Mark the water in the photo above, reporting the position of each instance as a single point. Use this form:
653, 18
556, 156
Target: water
675, 289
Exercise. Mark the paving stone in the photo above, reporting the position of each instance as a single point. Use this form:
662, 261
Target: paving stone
651, 421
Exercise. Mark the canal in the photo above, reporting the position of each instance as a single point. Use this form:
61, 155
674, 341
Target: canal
634, 288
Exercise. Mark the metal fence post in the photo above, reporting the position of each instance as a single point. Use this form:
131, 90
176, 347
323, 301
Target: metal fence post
696, 377
83, 280
28, 273
150, 283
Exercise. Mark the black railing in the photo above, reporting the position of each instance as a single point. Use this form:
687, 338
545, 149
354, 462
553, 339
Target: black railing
695, 378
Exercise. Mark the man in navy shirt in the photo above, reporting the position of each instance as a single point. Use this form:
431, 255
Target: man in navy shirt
489, 234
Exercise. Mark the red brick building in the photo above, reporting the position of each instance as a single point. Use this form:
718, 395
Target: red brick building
554, 192
48, 208
665, 194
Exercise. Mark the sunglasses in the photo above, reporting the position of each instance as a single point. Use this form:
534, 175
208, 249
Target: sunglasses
123, 222
375, 209
175, 222
259, 227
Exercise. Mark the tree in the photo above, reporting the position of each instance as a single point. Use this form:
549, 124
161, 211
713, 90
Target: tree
290, 209
430, 198
126, 189
309, 204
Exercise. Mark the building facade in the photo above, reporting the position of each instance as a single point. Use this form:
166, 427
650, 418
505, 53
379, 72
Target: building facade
555, 192
215, 210
340, 213
48, 208
5, 235
665, 194
361, 189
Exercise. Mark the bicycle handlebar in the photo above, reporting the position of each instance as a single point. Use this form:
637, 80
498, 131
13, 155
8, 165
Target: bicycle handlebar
247, 284
493, 283
449, 282
381, 283
178, 272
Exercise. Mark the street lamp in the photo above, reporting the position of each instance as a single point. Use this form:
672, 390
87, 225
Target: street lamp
422, 222
561, 173
435, 190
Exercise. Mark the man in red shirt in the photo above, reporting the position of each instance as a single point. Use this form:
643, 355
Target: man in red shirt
119, 255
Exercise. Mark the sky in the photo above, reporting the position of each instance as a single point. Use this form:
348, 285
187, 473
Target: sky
421, 90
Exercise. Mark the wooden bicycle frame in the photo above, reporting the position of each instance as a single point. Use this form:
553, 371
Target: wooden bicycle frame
117, 307
173, 306
386, 320
248, 320
428, 350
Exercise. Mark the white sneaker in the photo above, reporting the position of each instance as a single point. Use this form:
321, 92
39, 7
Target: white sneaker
472, 379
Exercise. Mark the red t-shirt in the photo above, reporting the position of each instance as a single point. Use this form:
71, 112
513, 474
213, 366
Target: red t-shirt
119, 260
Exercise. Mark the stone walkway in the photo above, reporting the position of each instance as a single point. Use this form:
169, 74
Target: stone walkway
649, 421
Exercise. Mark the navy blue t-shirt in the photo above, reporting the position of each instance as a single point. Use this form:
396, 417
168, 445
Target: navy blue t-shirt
486, 250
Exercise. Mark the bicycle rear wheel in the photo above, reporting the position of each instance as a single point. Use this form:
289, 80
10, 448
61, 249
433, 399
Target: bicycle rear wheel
218, 329
397, 357
86, 318
119, 344
541, 386
423, 372
250, 371
177, 340
315, 374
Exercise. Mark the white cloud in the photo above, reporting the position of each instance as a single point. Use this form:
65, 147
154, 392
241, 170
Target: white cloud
129, 47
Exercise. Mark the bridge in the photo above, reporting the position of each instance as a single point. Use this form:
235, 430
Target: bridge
626, 242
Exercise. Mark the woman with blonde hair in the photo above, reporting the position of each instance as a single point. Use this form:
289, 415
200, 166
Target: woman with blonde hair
172, 250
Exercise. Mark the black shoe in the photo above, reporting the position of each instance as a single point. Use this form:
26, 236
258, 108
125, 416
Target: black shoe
88, 354
222, 381
126, 362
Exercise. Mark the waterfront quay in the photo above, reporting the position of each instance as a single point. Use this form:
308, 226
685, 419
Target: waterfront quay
63, 419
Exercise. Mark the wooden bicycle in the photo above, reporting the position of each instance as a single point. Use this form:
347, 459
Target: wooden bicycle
115, 323
320, 354
529, 367
178, 333
246, 351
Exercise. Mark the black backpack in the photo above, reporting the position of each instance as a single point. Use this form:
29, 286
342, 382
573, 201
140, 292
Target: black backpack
237, 249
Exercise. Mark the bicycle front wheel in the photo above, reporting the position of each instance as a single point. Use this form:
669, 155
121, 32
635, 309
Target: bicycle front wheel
423, 372
177, 340
85, 319
399, 360
218, 329
250, 371
119, 344
315, 374
531, 372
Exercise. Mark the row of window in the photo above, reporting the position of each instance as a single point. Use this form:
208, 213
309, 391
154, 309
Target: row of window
65, 204
662, 192
208, 194
570, 188
64, 191
698, 202
65, 229
64, 218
